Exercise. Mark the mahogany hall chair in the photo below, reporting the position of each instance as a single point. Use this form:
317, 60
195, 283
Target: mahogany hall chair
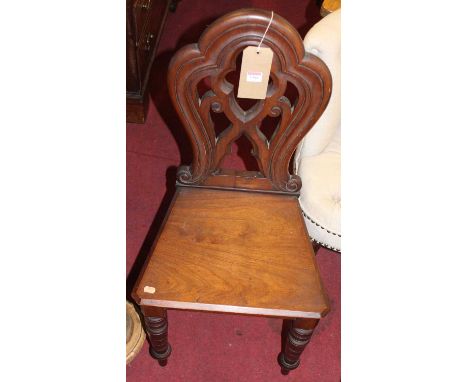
235, 241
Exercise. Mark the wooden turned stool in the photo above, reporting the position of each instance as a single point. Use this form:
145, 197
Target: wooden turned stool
135, 332
236, 242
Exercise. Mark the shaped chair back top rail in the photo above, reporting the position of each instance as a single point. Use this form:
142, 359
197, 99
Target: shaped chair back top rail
211, 60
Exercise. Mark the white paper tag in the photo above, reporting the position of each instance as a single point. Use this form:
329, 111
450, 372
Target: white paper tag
149, 289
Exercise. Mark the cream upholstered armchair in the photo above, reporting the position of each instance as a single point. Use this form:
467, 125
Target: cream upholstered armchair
318, 156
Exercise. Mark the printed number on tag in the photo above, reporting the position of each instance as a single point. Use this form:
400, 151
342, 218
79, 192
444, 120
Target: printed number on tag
254, 76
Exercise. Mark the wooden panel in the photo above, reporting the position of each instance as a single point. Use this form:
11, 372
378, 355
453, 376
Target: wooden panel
133, 79
136, 109
148, 35
141, 11
145, 22
234, 251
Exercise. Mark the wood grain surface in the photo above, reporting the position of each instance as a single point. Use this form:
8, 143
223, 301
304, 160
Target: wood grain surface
234, 251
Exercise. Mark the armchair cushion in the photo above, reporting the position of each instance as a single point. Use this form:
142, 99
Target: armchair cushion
320, 198
324, 41
317, 159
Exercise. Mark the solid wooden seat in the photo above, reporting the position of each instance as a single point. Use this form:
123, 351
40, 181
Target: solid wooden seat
235, 241
212, 255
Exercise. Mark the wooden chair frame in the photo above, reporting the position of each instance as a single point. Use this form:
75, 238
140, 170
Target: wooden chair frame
212, 59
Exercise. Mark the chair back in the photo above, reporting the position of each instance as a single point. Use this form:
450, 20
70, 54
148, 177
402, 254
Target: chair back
209, 64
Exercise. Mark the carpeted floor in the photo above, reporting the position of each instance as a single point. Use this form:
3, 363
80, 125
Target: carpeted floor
211, 347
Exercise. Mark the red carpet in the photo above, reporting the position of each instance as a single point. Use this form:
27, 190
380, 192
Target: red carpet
211, 347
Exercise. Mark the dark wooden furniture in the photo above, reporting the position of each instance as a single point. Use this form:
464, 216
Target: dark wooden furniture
329, 6
236, 242
145, 22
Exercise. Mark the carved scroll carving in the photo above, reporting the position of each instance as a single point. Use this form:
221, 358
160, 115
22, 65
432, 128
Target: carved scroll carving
215, 57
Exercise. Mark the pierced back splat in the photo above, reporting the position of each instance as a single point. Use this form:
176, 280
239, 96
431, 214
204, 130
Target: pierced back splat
215, 57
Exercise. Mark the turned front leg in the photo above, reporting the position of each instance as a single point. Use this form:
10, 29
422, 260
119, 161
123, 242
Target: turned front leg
297, 338
156, 327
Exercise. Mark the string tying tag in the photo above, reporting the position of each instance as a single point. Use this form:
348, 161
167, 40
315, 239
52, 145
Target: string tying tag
266, 30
